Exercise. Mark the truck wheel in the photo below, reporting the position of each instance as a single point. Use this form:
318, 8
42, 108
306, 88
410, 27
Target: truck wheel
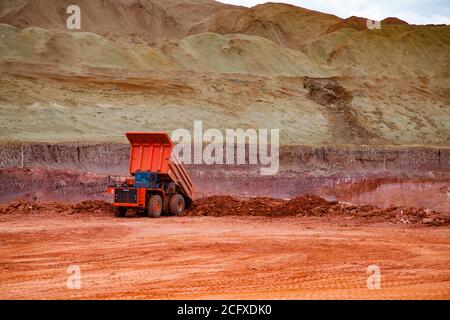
176, 204
165, 210
154, 206
120, 212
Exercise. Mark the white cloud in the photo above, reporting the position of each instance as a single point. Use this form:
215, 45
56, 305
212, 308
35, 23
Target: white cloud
412, 11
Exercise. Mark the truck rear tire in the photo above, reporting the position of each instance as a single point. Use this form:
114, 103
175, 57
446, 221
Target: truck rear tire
120, 212
165, 210
176, 204
154, 206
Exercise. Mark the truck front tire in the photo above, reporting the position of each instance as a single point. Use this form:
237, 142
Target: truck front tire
176, 204
120, 212
155, 206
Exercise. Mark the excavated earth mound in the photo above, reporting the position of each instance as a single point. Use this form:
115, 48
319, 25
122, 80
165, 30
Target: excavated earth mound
309, 205
93, 207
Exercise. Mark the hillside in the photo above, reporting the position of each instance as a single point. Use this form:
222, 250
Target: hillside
287, 25
207, 52
148, 20
394, 51
152, 65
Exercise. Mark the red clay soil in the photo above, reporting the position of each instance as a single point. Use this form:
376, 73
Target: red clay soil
219, 258
322, 254
43, 185
308, 205
95, 207
412, 192
311, 205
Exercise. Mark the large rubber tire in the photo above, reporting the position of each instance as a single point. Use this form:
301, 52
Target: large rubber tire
155, 206
120, 212
176, 204
165, 210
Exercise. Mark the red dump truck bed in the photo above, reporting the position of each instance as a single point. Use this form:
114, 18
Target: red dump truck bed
152, 151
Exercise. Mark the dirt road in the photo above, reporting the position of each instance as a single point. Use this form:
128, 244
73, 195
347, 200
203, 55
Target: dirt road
219, 257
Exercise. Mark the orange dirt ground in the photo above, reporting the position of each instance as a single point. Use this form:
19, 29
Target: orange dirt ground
190, 257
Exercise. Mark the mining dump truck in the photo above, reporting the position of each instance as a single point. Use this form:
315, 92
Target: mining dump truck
158, 183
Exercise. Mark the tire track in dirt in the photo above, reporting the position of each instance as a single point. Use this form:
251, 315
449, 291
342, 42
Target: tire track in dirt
227, 257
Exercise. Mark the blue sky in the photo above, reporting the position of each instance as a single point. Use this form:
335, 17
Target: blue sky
412, 11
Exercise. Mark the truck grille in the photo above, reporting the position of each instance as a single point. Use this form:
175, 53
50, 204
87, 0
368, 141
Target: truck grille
125, 196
